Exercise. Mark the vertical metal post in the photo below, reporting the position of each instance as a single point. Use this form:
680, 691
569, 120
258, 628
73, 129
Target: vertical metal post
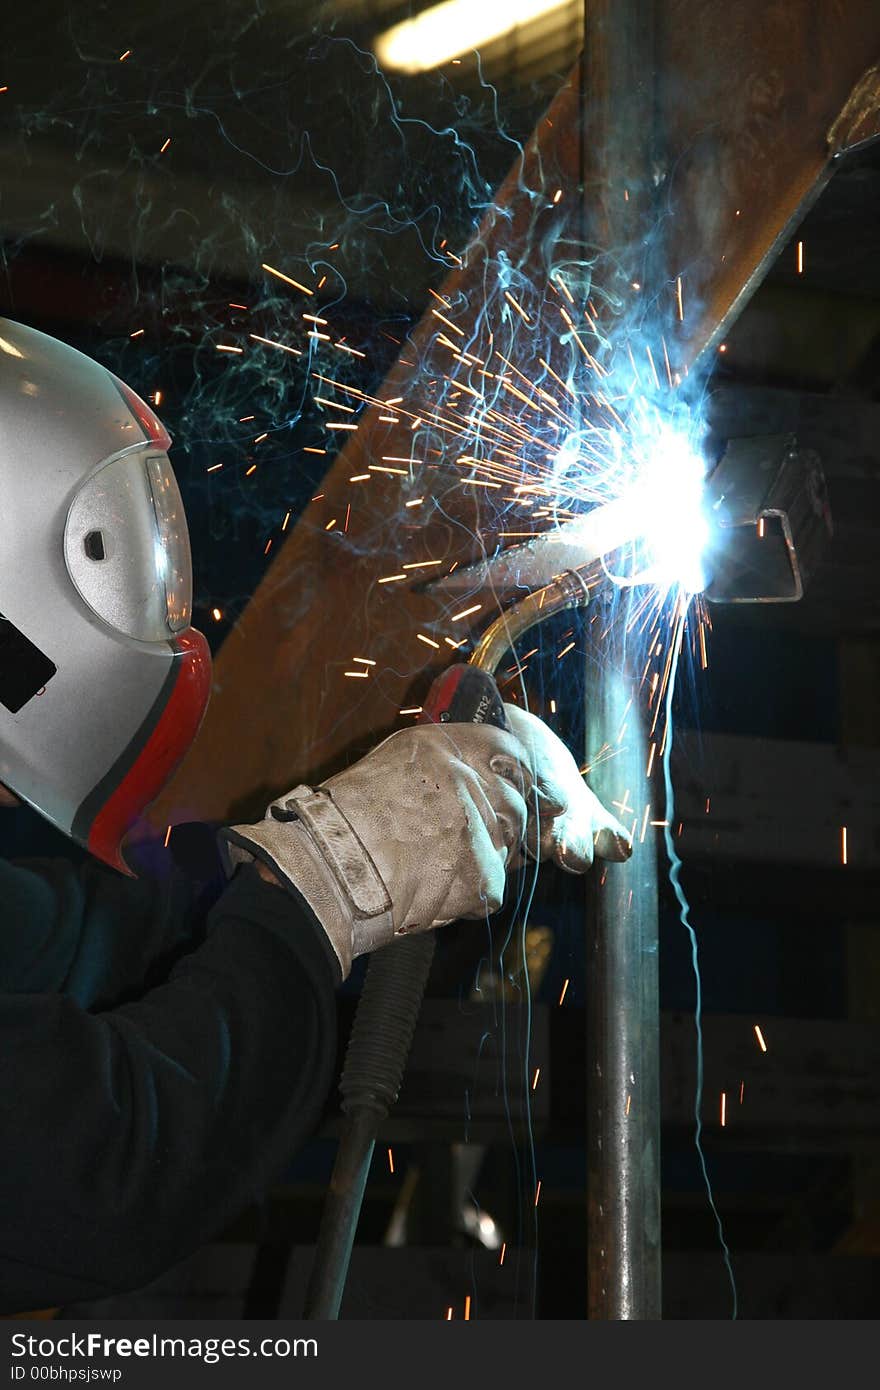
623, 1103
623, 1018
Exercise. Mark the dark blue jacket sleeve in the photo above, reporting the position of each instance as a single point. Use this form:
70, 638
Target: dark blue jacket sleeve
87, 931
155, 1080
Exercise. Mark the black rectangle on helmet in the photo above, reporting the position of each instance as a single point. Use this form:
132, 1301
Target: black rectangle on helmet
24, 669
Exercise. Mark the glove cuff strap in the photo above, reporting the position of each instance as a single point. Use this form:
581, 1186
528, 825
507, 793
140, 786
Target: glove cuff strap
343, 851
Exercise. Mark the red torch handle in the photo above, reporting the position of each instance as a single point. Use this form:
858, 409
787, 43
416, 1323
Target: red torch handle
464, 695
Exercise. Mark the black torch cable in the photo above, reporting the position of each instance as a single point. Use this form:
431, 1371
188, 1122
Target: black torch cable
377, 1053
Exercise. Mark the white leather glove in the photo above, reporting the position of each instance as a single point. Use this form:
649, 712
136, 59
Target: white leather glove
578, 826
421, 831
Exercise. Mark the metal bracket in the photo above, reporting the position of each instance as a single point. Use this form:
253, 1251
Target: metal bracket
772, 520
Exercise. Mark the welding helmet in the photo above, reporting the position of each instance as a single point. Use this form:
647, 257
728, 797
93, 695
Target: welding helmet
103, 683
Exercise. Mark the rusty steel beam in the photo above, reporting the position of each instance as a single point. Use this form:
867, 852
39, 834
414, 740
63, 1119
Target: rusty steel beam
757, 102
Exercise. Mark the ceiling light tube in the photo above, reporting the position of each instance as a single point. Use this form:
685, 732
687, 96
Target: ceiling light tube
446, 31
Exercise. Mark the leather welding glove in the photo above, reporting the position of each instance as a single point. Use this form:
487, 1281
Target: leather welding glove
418, 833
568, 823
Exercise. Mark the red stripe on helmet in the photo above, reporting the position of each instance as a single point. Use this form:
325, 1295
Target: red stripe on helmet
146, 417
163, 751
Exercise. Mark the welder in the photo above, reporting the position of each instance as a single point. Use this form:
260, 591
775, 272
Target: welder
167, 1013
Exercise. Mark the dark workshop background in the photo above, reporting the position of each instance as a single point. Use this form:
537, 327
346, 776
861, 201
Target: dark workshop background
282, 136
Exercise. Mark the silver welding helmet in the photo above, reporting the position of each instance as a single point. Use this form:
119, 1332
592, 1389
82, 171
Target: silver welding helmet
103, 683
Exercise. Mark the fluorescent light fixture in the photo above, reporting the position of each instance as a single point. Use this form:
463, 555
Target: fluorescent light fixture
445, 31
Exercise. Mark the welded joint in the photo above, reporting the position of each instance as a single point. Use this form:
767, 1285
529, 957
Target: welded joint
859, 121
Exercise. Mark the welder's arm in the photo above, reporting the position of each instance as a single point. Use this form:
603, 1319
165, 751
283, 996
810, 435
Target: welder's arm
423, 829
87, 931
130, 1137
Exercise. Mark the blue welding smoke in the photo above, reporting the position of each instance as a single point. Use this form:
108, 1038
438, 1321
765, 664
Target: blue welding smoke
675, 879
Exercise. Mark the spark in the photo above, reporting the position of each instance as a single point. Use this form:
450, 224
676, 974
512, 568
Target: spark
518, 307
225, 347
800, 258
391, 578
723, 1109
562, 285
466, 612
279, 274
414, 709
216, 614
122, 58
843, 849
165, 146
503, 1253
167, 837
537, 1194
449, 324
390, 1161
467, 1308
565, 650
760, 1036
535, 1078
449, 1315
273, 342
429, 641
